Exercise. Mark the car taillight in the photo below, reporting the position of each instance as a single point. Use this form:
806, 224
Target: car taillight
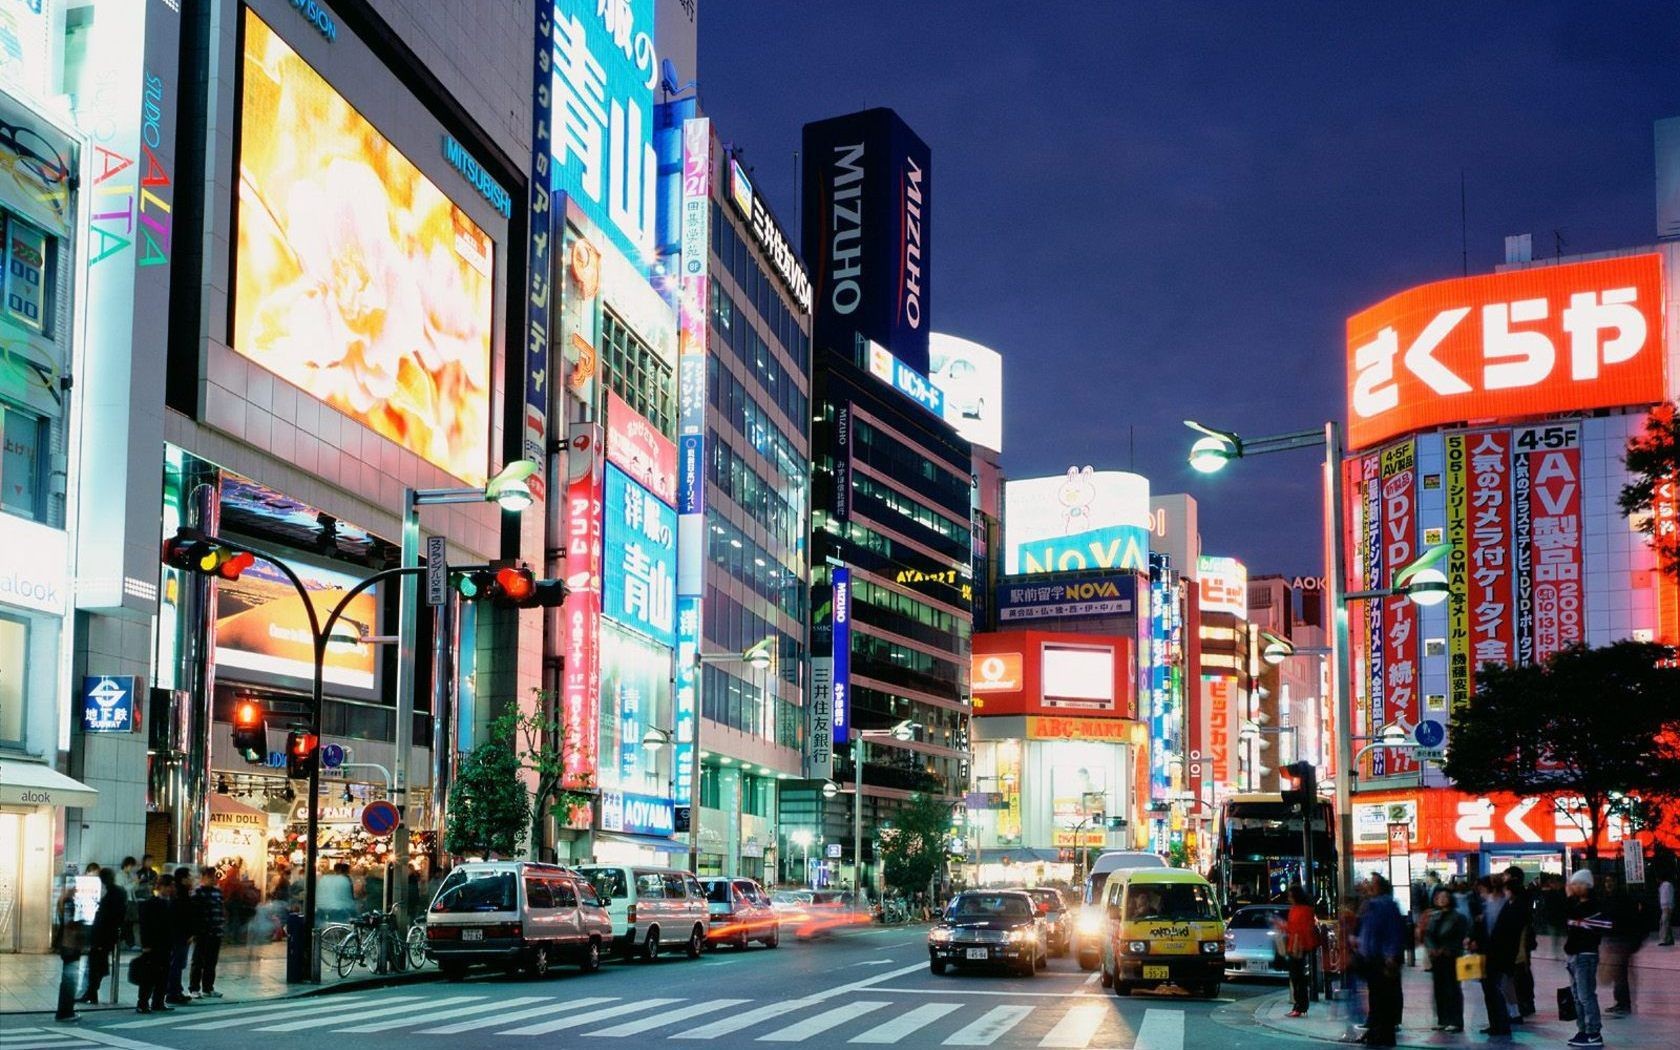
630, 915
442, 933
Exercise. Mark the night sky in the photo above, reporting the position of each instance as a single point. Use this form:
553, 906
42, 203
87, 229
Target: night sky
1168, 210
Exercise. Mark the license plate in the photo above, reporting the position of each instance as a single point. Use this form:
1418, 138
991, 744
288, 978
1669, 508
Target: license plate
1173, 947
978, 953
1260, 966
472, 935
1155, 973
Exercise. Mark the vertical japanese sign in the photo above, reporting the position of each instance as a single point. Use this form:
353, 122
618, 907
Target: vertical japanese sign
1522, 561
539, 255
580, 615
842, 619
1160, 683
1553, 454
1489, 550
639, 574
687, 698
1218, 708
1399, 703
605, 70
1371, 551
819, 734
1665, 533
1458, 571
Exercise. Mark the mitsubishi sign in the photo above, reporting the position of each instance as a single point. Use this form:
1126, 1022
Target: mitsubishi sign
1523, 343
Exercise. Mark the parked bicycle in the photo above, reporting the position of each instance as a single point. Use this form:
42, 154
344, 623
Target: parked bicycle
373, 942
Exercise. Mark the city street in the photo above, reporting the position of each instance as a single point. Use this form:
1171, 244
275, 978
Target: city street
870, 987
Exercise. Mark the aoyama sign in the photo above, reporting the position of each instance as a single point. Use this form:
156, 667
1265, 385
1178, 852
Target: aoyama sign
1509, 345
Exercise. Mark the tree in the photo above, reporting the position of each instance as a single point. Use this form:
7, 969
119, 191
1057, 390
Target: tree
1601, 725
489, 806
1653, 459
913, 849
541, 747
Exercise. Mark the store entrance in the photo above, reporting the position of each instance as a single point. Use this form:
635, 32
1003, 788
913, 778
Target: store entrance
11, 879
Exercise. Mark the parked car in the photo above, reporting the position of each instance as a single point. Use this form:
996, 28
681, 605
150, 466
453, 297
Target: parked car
1091, 925
652, 909
520, 914
1251, 942
989, 928
1058, 920
1163, 928
792, 905
741, 912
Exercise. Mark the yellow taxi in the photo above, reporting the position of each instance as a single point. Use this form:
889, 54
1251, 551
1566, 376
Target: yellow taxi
1162, 926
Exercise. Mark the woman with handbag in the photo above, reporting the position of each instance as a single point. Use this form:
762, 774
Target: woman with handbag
1444, 930
1299, 932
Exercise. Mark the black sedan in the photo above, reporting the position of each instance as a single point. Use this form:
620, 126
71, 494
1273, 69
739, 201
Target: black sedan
1058, 921
989, 928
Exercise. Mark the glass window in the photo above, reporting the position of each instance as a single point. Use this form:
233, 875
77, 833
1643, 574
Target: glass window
469, 889
27, 277
563, 892
717, 891
637, 374
608, 882
674, 888
14, 668
537, 894
650, 886
23, 466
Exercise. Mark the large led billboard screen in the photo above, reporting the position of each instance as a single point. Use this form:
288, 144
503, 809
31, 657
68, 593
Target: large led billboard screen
971, 378
1083, 519
356, 279
1507, 346
263, 634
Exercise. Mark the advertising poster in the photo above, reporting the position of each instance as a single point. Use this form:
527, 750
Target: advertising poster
1665, 532
819, 733
356, 279
1553, 455
1401, 646
1036, 599
580, 615
263, 634
692, 536
842, 653
687, 696
1457, 453
1219, 708
1223, 583
639, 552
1371, 550
636, 447
1492, 638
1083, 519
635, 697
971, 378
1160, 683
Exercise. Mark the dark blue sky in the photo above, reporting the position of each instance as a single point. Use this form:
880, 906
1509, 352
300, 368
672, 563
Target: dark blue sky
1168, 210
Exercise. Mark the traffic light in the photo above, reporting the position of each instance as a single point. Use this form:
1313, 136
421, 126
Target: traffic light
511, 587
191, 551
302, 752
250, 731
1306, 786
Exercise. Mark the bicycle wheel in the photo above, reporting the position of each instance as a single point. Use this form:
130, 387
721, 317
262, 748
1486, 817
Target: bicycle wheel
396, 951
332, 935
348, 955
417, 945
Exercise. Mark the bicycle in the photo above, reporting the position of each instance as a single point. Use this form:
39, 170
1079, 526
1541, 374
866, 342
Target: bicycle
415, 943
372, 942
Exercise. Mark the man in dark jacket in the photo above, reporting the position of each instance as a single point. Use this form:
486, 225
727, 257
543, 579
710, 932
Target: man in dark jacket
1382, 946
208, 925
157, 945
1522, 970
1585, 924
1498, 931
108, 922
181, 925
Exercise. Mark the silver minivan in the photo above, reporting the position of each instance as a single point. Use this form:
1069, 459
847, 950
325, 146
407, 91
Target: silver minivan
519, 914
652, 909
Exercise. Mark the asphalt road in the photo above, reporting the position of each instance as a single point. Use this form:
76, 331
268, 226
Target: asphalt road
864, 987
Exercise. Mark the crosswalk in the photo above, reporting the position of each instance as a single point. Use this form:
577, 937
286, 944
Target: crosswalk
1055, 1023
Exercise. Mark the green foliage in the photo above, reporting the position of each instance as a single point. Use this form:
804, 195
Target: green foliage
912, 851
1653, 459
1600, 724
540, 746
489, 806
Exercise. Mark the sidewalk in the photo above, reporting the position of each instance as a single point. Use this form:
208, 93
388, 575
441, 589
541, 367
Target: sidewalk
1655, 979
245, 973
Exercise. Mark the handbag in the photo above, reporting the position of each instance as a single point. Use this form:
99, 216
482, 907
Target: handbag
1566, 1004
1472, 967
136, 968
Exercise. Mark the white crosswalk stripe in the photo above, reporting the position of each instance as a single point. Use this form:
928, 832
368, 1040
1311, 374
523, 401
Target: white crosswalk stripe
480, 1023
985, 1030
585, 1018
335, 1010
1160, 1030
669, 1017
745, 1020
800, 1031
430, 1016
179, 1017
906, 1023
41, 1039
359, 1013
1077, 1027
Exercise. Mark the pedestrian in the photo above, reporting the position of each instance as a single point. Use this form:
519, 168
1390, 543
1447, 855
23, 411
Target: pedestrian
1300, 939
145, 878
1348, 961
108, 923
1522, 970
128, 881
1382, 946
209, 920
1554, 903
1418, 904
334, 896
181, 928
157, 945
1627, 934
1495, 935
1585, 925
75, 918
1665, 908
1444, 931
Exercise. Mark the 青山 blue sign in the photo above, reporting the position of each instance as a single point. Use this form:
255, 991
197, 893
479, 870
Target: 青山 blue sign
1050, 597
108, 704
637, 814
842, 687
605, 70
639, 559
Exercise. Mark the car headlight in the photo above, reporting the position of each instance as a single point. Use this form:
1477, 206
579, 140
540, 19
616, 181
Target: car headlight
1138, 947
1212, 947
939, 936
1018, 936
1091, 922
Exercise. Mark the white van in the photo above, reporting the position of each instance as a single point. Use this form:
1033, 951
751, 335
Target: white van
652, 909
1088, 931
520, 914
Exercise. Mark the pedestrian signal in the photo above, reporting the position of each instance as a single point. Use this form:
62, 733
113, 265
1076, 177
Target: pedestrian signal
250, 731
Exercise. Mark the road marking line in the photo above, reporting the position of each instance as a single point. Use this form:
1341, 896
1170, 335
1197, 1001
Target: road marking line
857, 986
45, 1041
668, 1017
902, 1025
874, 962
1077, 1027
361, 1014
106, 1039
518, 1015
993, 1023
820, 1023
291, 1010
984, 991
1094, 978
444, 1015
224, 1011
740, 1021
593, 1015
1161, 1030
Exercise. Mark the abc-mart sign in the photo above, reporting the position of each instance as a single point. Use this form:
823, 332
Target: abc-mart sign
1523, 343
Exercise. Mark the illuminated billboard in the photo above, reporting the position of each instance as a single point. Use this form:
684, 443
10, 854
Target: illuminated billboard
971, 378
1522, 343
639, 567
1083, 519
635, 697
357, 280
1223, 583
263, 633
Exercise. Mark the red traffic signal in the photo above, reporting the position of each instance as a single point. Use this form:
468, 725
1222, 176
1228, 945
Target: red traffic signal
516, 585
250, 731
302, 751
511, 587
191, 551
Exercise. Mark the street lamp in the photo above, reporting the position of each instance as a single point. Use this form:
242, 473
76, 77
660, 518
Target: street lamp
902, 732
802, 838
1420, 582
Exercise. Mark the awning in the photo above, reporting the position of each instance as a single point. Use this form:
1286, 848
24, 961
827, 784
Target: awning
34, 784
1019, 855
645, 841
232, 807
